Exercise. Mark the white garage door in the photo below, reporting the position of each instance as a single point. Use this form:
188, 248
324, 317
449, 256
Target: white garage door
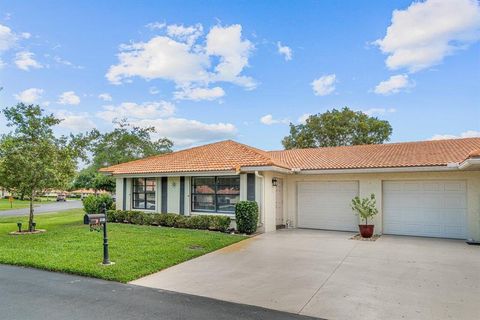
425, 208
326, 205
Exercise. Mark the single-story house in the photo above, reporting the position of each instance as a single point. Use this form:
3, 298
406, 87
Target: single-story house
87, 192
427, 188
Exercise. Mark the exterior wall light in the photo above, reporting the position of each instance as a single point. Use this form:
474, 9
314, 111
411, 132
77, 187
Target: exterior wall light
274, 182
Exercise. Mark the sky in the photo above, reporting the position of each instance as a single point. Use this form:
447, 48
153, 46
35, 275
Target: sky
203, 71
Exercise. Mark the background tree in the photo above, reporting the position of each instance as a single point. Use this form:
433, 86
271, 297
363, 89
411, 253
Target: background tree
32, 159
338, 128
125, 143
89, 178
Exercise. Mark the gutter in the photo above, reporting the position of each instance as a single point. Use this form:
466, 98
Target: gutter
449, 167
468, 163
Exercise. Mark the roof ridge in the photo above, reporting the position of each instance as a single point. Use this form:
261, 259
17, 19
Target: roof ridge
379, 144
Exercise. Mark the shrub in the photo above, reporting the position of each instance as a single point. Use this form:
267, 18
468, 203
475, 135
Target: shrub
170, 219
198, 222
246, 215
219, 223
203, 222
93, 204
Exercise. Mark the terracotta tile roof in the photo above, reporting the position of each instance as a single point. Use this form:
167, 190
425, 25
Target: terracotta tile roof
220, 156
408, 154
229, 155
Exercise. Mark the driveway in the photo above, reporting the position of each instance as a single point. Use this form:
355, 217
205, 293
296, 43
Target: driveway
40, 295
325, 274
45, 208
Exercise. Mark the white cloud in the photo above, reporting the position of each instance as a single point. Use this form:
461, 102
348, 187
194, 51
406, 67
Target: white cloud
324, 85
394, 84
227, 44
197, 94
185, 34
105, 96
269, 120
378, 111
180, 56
466, 134
153, 90
156, 25
30, 95
75, 122
285, 51
26, 35
7, 38
426, 32
67, 63
185, 132
69, 97
303, 118
25, 60
131, 110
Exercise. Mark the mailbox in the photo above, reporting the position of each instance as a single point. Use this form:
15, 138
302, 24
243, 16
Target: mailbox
95, 218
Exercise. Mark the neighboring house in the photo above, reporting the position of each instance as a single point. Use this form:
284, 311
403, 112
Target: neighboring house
87, 192
429, 188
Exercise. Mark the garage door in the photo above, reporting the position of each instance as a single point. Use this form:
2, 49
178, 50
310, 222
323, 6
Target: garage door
425, 208
326, 205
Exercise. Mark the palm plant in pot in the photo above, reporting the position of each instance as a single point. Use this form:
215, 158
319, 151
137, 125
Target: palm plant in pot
365, 208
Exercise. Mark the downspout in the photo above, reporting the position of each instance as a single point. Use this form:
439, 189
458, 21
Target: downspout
263, 196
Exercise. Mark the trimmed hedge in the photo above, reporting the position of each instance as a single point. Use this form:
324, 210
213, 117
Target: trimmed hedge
93, 204
246, 216
203, 222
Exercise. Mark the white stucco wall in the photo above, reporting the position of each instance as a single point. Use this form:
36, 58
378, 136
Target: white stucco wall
119, 193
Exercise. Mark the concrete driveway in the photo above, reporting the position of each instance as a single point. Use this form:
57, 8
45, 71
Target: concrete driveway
325, 274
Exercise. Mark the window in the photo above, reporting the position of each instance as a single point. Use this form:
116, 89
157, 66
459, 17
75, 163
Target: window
144, 193
215, 194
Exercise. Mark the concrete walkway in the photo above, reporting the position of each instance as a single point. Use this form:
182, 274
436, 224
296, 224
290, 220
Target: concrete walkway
325, 274
41, 295
44, 208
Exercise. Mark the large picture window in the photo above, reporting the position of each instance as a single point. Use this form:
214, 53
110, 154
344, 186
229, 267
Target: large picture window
144, 193
215, 194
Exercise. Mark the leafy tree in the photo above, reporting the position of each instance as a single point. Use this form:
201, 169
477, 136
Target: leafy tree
32, 159
125, 143
89, 178
338, 128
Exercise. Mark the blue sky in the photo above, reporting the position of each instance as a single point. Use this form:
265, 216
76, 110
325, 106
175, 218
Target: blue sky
242, 70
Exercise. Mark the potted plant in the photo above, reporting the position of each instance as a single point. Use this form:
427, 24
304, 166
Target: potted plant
365, 208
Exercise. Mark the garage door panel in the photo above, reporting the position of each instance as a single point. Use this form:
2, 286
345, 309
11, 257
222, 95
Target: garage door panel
435, 209
326, 205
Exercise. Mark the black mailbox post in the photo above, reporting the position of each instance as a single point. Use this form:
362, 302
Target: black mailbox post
97, 222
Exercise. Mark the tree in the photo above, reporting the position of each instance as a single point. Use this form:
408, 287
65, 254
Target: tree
126, 143
89, 178
32, 159
338, 128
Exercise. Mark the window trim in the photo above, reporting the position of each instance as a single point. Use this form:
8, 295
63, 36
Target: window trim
215, 194
145, 193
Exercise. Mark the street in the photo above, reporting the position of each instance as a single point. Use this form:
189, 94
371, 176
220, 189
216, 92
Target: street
36, 295
44, 208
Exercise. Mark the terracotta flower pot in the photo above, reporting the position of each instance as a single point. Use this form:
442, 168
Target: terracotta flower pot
366, 231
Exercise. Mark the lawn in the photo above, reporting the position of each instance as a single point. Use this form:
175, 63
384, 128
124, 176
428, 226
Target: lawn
17, 204
69, 246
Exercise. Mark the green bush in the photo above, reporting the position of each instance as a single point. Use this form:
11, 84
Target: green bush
203, 222
246, 216
219, 223
93, 204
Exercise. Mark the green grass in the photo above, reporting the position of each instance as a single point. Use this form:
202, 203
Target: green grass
68, 246
17, 204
